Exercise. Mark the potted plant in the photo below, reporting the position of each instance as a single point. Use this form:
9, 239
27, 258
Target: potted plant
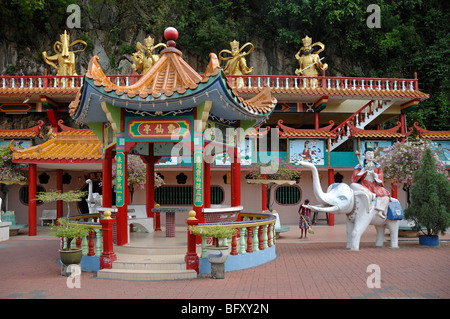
430, 201
65, 229
218, 253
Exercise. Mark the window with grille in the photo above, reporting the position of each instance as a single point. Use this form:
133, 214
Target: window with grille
23, 194
182, 195
287, 195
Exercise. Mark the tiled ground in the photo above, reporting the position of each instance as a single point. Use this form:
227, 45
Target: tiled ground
311, 268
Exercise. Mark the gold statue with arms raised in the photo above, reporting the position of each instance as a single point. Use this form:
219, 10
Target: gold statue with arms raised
143, 57
236, 63
64, 57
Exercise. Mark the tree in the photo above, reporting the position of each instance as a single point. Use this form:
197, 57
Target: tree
430, 198
67, 197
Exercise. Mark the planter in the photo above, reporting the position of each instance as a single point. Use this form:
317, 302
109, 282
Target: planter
217, 257
429, 240
217, 254
72, 256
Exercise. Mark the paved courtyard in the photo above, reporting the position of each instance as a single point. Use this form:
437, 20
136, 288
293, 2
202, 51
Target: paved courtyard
317, 267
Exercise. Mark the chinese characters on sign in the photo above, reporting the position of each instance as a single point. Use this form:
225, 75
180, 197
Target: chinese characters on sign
198, 180
158, 130
120, 179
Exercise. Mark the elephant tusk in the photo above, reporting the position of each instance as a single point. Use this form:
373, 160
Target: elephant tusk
320, 208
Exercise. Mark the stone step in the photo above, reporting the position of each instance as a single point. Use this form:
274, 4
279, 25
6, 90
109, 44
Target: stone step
150, 275
152, 250
149, 262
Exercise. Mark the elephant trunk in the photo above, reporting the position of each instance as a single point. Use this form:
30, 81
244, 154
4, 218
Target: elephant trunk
318, 193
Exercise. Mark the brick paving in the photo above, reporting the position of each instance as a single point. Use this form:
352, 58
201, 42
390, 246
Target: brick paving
304, 269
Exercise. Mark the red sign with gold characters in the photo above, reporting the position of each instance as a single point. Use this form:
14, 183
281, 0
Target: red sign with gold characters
158, 130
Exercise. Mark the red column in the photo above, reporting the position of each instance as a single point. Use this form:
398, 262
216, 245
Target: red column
32, 186
150, 185
122, 212
59, 187
330, 181
316, 120
403, 124
107, 179
191, 258
235, 179
108, 255
394, 193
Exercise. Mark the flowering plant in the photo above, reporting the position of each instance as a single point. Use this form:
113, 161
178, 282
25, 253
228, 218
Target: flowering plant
284, 171
137, 173
9, 174
402, 159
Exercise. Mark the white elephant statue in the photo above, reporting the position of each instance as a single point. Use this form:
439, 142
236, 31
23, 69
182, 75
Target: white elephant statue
341, 198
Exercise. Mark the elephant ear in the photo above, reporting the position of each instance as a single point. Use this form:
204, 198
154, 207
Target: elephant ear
361, 198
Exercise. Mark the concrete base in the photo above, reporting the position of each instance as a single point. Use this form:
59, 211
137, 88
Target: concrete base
4, 230
218, 270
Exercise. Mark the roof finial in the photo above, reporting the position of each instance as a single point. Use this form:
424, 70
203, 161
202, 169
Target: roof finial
171, 34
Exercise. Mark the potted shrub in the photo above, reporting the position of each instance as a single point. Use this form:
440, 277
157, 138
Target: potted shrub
218, 253
69, 231
65, 228
430, 201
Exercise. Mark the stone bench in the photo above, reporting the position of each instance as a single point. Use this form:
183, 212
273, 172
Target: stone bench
137, 215
278, 228
14, 228
48, 214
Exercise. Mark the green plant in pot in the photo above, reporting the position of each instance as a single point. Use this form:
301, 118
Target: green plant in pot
218, 253
65, 228
430, 201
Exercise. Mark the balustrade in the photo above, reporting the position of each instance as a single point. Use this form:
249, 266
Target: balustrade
255, 232
239, 81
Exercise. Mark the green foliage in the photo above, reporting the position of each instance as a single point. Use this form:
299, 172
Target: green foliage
53, 196
69, 230
9, 173
216, 231
430, 198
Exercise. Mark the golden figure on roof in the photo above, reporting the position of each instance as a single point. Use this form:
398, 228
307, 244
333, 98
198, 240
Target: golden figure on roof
64, 57
236, 63
309, 60
143, 57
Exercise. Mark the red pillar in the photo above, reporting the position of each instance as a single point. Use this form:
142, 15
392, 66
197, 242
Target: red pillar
264, 195
59, 188
235, 179
403, 125
330, 181
107, 179
122, 211
32, 186
108, 255
394, 193
191, 258
150, 189
316, 120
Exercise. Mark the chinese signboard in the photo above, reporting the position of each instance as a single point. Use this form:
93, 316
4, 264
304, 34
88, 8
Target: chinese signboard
120, 179
158, 130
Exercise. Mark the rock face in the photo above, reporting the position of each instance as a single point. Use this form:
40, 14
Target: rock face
267, 58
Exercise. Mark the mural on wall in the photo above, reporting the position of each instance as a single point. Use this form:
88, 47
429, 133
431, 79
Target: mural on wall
246, 152
377, 146
311, 150
16, 144
442, 149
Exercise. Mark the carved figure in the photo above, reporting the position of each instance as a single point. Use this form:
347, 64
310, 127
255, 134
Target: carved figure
236, 63
64, 57
143, 57
93, 200
309, 61
368, 177
341, 198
